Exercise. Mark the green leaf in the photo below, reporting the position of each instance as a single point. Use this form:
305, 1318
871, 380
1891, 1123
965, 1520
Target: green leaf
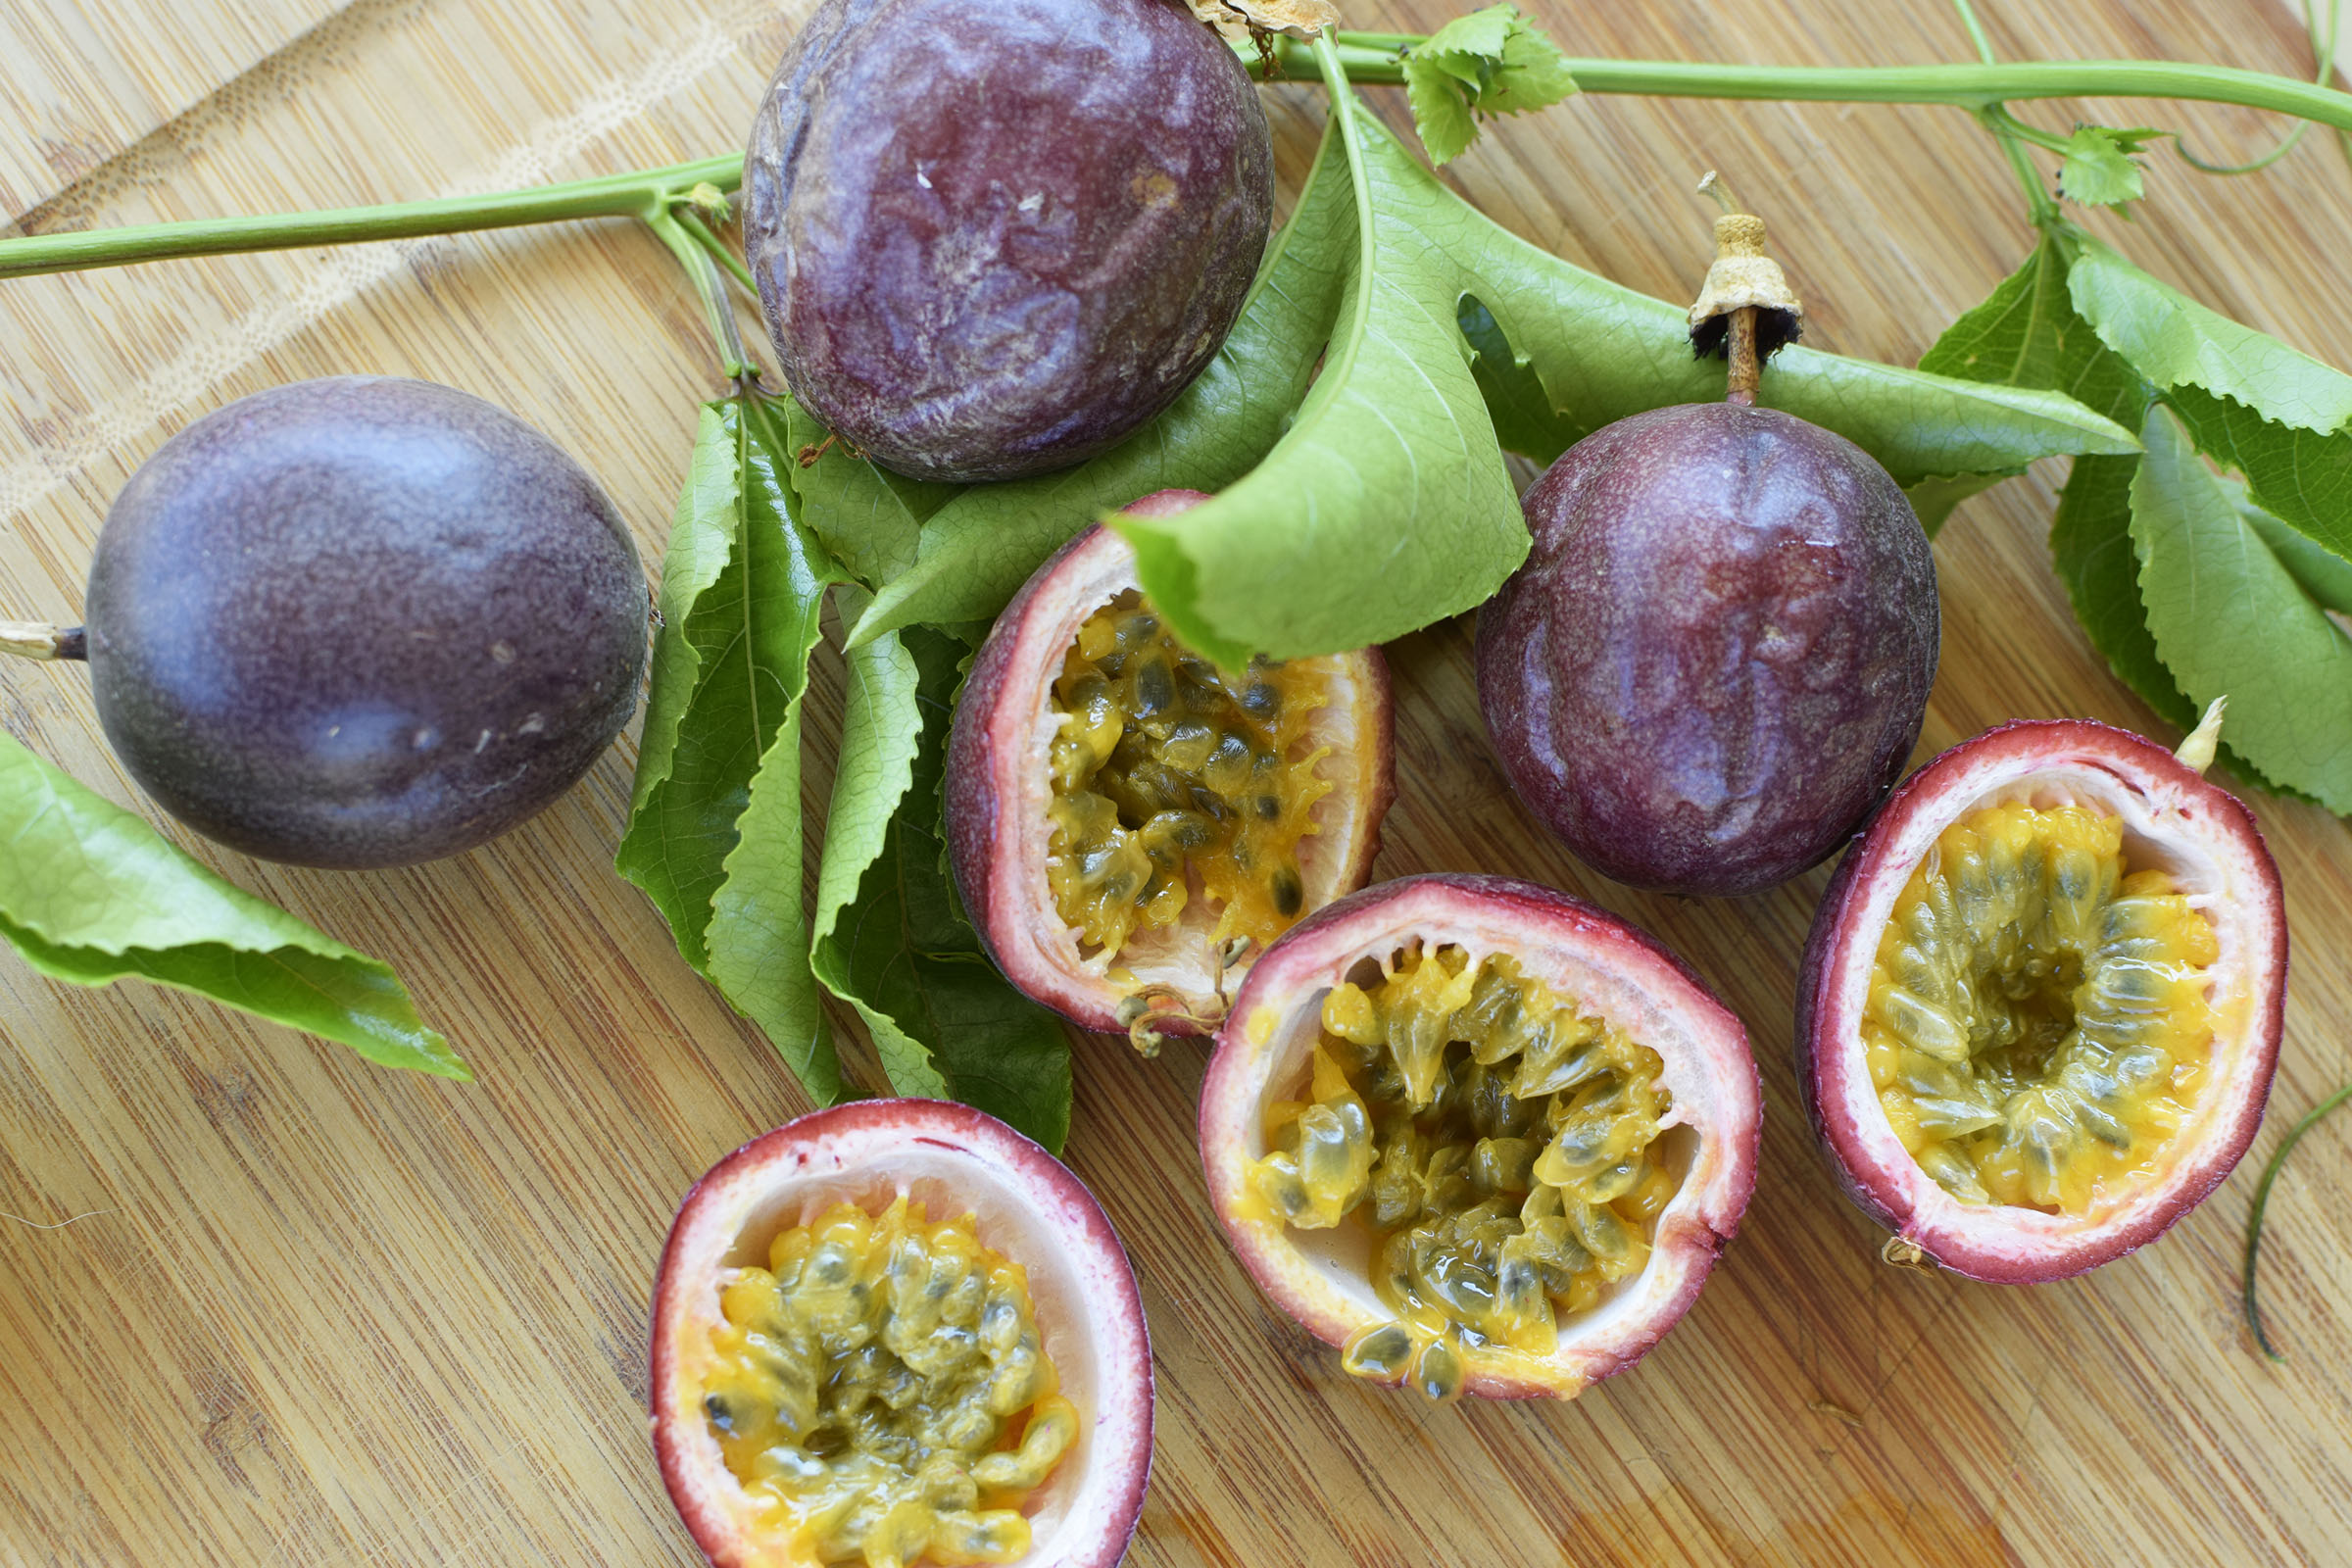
890, 939
2029, 333
2319, 571
714, 834
2301, 476
1382, 507
2099, 168
1934, 497
1489, 62
979, 548
2229, 620
90, 894
1600, 352
867, 518
1387, 493
2174, 342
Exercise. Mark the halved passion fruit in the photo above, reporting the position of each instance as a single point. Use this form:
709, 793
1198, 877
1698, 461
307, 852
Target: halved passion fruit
1129, 825
897, 1331
1482, 1137
2040, 1003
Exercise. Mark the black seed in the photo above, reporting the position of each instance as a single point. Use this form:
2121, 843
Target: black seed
1260, 701
716, 1408
1268, 807
1154, 689
1288, 893
1209, 801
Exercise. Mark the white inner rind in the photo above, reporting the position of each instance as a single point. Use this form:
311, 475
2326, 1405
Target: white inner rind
1707, 1068
1178, 958
1089, 1318
2221, 876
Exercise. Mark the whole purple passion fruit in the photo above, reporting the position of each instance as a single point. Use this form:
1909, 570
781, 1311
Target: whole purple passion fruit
1129, 825
362, 621
1717, 657
1480, 1136
992, 237
2041, 1005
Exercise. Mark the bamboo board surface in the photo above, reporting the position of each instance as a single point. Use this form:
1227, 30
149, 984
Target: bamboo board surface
260, 1304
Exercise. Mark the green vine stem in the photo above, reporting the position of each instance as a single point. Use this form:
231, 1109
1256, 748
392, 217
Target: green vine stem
1366, 58
2262, 1201
645, 193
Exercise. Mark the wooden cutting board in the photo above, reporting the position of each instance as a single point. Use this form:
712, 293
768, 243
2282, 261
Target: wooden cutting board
263, 1304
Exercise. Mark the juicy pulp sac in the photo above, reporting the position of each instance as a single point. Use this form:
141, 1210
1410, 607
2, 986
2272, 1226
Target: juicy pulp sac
2039, 1022
880, 1390
1501, 1146
1165, 771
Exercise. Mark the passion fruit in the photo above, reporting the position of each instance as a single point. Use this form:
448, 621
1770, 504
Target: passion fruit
2040, 1003
1482, 1137
1128, 825
992, 237
897, 1331
1716, 657
363, 621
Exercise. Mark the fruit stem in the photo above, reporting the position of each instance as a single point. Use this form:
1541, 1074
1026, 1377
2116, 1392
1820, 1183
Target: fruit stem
1747, 370
33, 639
2196, 752
2262, 1198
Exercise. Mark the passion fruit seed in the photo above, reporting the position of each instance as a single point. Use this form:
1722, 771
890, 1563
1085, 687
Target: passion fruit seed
1497, 1141
1167, 770
2038, 1024
881, 1391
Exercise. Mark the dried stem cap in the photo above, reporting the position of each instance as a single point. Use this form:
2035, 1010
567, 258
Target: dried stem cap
1743, 279
1292, 19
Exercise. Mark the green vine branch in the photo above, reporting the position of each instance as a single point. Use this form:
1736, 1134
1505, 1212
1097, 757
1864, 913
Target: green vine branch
666, 196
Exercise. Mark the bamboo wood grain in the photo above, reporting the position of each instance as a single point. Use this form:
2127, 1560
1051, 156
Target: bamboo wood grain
260, 1304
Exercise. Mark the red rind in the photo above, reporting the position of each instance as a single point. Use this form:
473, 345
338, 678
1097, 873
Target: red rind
2166, 804
996, 787
1029, 1208
1609, 966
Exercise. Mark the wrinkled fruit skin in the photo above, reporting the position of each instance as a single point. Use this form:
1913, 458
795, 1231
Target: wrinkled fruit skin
997, 788
1027, 1206
2164, 804
1613, 967
363, 621
1717, 657
995, 236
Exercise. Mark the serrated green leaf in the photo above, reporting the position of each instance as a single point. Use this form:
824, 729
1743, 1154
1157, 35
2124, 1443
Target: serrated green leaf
2302, 477
1489, 62
714, 835
2174, 342
1602, 352
2028, 333
91, 894
2319, 571
1387, 492
867, 518
2098, 170
2229, 620
1934, 497
890, 939
979, 548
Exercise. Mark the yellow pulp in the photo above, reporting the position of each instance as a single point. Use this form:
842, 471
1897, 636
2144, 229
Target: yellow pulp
1165, 765
881, 1391
2038, 1025
1496, 1141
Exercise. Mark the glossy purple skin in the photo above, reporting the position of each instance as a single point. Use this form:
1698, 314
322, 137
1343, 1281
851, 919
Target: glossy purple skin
1718, 654
363, 621
992, 237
